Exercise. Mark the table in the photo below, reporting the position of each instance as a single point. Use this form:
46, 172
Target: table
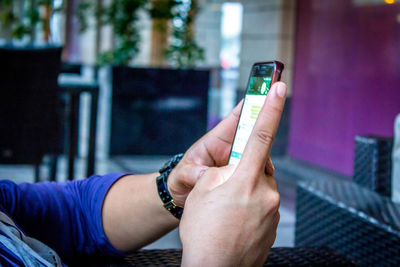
350, 219
297, 256
74, 89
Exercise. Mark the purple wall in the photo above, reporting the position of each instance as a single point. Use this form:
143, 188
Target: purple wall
346, 79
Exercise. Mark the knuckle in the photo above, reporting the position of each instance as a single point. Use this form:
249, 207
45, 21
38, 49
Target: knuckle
183, 175
186, 178
265, 137
274, 200
212, 171
179, 170
270, 169
277, 108
273, 184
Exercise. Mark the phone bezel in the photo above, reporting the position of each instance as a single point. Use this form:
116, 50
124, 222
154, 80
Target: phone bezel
276, 76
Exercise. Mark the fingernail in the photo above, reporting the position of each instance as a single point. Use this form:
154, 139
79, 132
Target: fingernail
281, 91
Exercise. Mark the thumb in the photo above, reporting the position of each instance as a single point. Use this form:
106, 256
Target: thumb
269, 167
214, 177
190, 173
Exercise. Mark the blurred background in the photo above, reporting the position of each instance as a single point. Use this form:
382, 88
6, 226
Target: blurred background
119, 86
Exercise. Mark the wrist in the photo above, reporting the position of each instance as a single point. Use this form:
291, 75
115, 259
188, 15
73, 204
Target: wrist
133, 203
163, 189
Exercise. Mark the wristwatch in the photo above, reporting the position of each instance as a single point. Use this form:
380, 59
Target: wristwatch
162, 186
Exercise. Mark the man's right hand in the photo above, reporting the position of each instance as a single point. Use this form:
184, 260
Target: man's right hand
233, 222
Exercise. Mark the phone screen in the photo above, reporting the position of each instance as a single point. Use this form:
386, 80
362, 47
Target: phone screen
258, 87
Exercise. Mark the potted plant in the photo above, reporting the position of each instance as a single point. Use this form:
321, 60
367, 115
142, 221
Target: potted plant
158, 105
155, 106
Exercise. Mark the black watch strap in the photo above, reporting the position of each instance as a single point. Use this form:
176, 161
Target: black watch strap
162, 186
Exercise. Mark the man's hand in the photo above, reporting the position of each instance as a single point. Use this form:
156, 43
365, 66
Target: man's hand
212, 150
232, 222
133, 214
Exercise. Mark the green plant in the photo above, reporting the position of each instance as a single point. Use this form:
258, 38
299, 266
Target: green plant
122, 16
161, 12
184, 51
85, 8
24, 23
9, 19
163, 9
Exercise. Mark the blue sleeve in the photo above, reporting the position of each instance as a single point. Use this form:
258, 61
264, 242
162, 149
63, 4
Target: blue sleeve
65, 216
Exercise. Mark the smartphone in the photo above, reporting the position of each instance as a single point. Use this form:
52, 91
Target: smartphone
262, 76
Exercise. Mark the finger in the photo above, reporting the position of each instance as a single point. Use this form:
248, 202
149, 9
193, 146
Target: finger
258, 147
213, 178
269, 167
189, 174
219, 140
225, 130
271, 182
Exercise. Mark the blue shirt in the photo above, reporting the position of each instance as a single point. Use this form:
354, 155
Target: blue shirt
65, 216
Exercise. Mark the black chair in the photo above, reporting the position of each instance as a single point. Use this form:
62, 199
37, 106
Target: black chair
356, 220
353, 221
29, 106
373, 163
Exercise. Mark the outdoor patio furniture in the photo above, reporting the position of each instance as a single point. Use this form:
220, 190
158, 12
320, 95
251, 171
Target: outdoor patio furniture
29, 106
373, 163
396, 161
298, 256
32, 110
352, 220
73, 90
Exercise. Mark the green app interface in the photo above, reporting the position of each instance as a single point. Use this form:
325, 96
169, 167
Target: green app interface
258, 88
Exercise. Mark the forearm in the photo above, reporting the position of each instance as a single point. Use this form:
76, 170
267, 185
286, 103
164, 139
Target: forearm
65, 216
133, 215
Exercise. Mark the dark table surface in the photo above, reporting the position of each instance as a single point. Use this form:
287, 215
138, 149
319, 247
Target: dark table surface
298, 256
